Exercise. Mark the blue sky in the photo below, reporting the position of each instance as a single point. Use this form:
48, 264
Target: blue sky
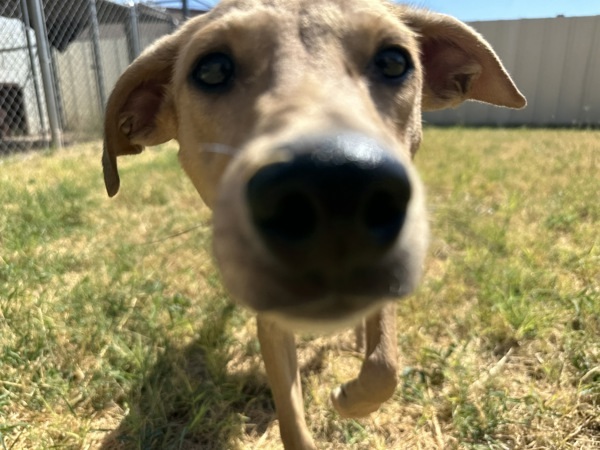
511, 9
470, 10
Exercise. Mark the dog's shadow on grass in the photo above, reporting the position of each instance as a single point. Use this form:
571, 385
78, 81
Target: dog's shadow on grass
190, 398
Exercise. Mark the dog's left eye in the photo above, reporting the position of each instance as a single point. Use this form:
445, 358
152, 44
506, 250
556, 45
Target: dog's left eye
392, 64
213, 72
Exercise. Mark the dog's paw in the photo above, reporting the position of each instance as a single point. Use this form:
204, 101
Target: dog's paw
348, 407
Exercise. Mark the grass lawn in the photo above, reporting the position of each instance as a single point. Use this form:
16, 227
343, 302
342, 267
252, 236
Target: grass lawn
115, 332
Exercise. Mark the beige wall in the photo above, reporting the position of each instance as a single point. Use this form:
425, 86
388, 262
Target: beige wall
554, 62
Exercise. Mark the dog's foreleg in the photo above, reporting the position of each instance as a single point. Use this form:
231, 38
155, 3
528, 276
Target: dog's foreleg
377, 379
278, 349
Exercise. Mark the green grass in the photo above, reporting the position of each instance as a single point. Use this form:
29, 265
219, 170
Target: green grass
115, 332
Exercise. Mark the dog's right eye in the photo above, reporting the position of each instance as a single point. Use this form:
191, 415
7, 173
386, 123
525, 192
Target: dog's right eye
213, 72
392, 64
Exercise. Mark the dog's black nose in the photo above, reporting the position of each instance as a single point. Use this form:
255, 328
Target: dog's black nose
337, 199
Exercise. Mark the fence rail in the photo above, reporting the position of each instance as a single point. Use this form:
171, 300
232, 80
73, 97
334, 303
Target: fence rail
58, 61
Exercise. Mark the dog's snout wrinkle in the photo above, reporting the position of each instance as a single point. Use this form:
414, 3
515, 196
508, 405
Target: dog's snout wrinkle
217, 149
338, 204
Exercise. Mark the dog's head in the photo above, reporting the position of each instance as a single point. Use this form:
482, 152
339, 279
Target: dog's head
297, 121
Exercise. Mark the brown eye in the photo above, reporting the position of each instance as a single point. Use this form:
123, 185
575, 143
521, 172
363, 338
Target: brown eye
392, 64
213, 72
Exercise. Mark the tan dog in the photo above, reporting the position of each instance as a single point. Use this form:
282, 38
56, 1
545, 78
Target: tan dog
297, 121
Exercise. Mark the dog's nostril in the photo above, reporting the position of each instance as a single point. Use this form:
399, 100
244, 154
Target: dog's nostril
292, 219
383, 215
280, 207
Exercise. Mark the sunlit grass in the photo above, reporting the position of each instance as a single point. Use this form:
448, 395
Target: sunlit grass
115, 332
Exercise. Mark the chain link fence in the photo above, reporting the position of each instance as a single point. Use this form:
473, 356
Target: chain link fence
59, 60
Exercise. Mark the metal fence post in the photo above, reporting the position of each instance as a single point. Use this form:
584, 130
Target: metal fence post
95, 28
41, 36
34, 74
134, 32
185, 8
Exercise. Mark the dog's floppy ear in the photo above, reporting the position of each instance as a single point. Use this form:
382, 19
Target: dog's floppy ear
139, 111
458, 64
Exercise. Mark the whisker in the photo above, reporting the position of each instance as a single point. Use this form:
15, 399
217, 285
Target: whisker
171, 236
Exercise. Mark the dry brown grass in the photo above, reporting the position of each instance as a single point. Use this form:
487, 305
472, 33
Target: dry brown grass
115, 332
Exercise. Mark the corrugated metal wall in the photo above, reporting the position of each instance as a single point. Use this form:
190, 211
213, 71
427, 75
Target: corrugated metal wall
554, 62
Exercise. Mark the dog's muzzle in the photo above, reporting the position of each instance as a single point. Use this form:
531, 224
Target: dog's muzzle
318, 231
